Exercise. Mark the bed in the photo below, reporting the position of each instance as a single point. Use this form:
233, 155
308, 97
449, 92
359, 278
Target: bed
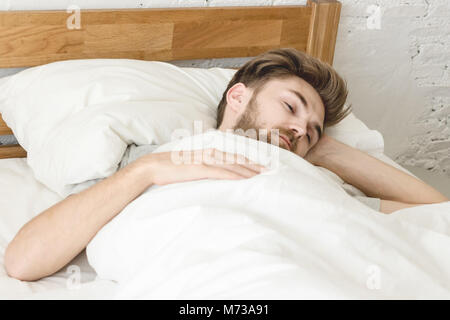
33, 38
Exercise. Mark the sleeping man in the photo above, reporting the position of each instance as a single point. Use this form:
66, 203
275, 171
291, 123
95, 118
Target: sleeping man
281, 89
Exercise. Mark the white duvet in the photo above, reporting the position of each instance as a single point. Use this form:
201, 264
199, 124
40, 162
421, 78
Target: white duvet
289, 233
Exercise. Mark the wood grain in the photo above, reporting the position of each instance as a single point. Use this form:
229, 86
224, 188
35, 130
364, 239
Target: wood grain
323, 31
12, 151
4, 129
31, 38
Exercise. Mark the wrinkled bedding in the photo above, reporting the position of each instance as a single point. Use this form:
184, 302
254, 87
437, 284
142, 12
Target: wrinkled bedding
289, 233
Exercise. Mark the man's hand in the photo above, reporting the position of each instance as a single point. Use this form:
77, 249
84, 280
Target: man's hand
324, 147
167, 167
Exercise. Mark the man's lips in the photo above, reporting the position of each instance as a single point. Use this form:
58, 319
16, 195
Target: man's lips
286, 140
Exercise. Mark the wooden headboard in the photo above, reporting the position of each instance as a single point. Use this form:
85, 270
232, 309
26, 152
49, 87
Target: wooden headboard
31, 38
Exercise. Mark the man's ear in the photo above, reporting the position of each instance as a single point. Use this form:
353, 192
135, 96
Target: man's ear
237, 97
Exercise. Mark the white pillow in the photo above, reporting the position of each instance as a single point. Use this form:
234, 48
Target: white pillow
75, 118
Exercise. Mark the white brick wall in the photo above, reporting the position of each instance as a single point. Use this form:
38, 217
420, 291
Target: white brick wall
398, 75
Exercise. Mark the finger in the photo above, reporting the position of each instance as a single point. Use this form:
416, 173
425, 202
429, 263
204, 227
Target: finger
255, 167
214, 156
239, 169
215, 172
245, 162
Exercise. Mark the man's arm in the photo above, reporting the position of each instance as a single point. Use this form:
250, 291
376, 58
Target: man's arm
375, 178
389, 206
54, 237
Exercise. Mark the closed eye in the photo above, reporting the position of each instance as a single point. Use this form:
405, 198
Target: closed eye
290, 107
292, 110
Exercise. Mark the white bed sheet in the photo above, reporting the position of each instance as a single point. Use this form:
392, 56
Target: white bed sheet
23, 197
289, 233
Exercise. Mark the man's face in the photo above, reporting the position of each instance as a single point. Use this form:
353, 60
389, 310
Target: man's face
290, 105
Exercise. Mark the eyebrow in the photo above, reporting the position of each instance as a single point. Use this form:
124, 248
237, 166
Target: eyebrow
303, 100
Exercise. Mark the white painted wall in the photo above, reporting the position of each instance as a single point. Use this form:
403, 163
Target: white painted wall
396, 64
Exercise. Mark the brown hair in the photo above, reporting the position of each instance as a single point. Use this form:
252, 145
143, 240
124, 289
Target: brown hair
280, 63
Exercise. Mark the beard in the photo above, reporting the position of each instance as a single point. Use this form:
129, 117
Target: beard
250, 125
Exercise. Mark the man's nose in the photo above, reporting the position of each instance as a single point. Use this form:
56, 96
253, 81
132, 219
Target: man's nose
298, 129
